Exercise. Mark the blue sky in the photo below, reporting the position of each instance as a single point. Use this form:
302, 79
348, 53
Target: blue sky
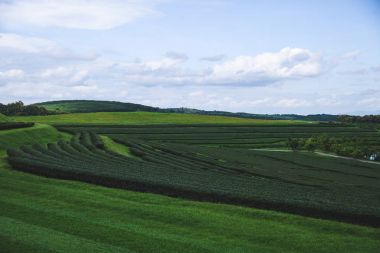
254, 56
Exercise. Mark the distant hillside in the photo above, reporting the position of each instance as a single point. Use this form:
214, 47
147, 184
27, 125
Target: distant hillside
311, 117
75, 106
81, 106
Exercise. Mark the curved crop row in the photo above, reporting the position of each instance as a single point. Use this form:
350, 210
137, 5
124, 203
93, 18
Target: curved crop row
249, 136
214, 174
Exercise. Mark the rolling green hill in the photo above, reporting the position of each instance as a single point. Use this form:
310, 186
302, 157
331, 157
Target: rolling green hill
74, 106
40, 214
141, 118
81, 106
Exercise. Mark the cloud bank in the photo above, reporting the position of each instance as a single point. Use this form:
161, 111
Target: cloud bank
70, 68
288, 63
76, 14
17, 44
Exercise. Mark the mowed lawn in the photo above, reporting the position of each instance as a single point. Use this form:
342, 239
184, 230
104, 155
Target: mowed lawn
39, 214
142, 118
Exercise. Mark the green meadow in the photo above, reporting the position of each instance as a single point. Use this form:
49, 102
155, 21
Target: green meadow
141, 118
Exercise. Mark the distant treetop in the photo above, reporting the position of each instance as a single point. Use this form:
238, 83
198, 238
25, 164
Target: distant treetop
18, 108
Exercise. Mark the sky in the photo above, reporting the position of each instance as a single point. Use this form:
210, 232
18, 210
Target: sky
288, 56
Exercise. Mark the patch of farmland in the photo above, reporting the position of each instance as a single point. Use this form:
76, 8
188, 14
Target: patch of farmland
298, 183
247, 136
121, 118
40, 214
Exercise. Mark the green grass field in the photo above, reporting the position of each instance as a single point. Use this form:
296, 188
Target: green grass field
38, 214
142, 118
41, 214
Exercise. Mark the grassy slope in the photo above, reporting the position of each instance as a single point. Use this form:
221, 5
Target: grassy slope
140, 118
46, 215
38, 214
40, 133
116, 147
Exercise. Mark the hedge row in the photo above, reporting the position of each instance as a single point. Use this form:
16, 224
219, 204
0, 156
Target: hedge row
14, 125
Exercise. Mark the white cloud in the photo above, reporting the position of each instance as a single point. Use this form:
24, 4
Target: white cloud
25, 44
27, 91
263, 69
14, 43
77, 14
171, 69
150, 80
168, 67
292, 103
12, 73
289, 63
70, 75
55, 72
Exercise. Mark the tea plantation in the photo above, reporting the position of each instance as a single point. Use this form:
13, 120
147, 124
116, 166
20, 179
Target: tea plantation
296, 182
216, 162
246, 135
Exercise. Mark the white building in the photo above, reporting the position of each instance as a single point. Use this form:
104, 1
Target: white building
372, 157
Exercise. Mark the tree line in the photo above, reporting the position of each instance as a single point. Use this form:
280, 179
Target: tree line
18, 108
310, 117
359, 119
344, 146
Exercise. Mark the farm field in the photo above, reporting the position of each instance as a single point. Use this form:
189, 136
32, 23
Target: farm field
207, 162
121, 118
223, 135
41, 214
297, 182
